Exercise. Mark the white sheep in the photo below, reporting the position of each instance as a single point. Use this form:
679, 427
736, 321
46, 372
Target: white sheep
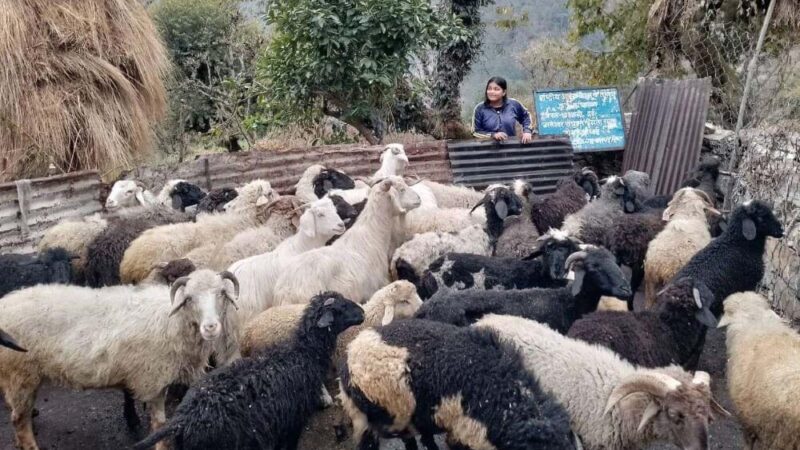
113, 337
442, 220
613, 405
129, 193
394, 162
453, 196
169, 242
357, 264
763, 368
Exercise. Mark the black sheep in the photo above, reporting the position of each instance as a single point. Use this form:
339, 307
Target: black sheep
454, 376
347, 212
734, 261
9, 342
185, 194
216, 200
328, 179
570, 196
53, 266
499, 203
465, 271
705, 178
673, 333
596, 274
628, 238
263, 402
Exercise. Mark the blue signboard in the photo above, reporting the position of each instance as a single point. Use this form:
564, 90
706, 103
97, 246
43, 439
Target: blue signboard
591, 117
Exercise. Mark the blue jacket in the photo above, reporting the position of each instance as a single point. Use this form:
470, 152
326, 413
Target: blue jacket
487, 120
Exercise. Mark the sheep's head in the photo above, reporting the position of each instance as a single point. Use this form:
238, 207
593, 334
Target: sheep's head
403, 198
183, 195
555, 247
754, 220
589, 182
321, 220
636, 188
692, 297
678, 406
257, 193
125, 194
500, 201
689, 203
347, 212
204, 297
399, 300
394, 160
216, 200
328, 179
747, 307
524, 190
332, 312
596, 271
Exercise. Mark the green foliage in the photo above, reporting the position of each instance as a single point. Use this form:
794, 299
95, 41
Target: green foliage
509, 19
346, 57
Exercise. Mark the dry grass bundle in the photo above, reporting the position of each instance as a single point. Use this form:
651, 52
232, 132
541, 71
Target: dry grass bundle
787, 12
80, 84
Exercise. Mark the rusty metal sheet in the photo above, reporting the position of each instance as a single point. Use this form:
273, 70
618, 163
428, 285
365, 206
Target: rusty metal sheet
666, 132
542, 162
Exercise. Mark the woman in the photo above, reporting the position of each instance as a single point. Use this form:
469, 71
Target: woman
496, 117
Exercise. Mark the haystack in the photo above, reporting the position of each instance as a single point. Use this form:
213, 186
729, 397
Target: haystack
81, 83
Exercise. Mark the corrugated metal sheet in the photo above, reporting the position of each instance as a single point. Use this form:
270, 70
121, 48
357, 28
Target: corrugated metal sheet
29, 207
542, 162
284, 168
667, 130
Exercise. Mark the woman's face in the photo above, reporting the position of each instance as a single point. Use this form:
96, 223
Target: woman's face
494, 92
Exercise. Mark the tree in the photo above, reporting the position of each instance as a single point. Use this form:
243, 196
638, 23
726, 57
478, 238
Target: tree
346, 59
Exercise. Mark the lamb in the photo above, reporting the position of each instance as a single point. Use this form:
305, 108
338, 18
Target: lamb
74, 236
104, 253
571, 195
421, 377
317, 181
357, 264
734, 261
672, 334
7, 341
613, 405
20, 271
174, 241
763, 363
216, 200
596, 274
265, 401
685, 234
112, 337
257, 274
463, 271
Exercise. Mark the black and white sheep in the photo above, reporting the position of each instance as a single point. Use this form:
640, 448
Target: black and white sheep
184, 195
263, 402
463, 271
421, 377
317, 181
596, 275
671, 334
216, 200
49, 267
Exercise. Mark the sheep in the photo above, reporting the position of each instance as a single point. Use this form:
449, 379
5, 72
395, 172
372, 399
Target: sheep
763, 363
685, 233
463, 271
216, 200
181, 195
20, 271
357, 264
129, 193
394, 162
442, 220
705, 179
174, 241
104, 253
734, 261
655, 338
595, 272
613, 405
257, 274
265, 401
74, 236
7, 341
453, 196
421, 377
317, 181
571, 195
112, 337
519, 235
347, 212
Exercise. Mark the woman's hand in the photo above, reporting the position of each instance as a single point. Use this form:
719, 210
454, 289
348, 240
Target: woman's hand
527, 137
500, 136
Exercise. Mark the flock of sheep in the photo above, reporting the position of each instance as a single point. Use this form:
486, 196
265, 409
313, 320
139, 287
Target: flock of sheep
502, 319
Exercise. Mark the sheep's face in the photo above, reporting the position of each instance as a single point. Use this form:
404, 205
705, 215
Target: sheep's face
555, 252
184, 195
335, 312
255, 194
596, 271
394, 160
691, 297
588, 181
500, 201
204, 296
124, 194
402, 301
321, 220
329, 179
404, 199
757, 220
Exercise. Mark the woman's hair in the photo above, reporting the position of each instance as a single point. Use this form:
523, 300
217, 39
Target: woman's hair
500, 81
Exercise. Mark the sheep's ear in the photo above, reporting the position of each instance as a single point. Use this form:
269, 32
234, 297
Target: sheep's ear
177, 201
308, 224
577, 284
327, 185
501, 208
630, 206
388, 315
749, 229
705, 317
650, 413
667, 214
718, 410
140, 196
262, 200
326, 320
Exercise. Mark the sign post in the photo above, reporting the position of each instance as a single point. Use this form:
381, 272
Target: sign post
591, 117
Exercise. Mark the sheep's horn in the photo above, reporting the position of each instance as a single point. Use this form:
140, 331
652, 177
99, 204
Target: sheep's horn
374, 182
705, 196
481, 202
577, 256
417, 181
8, 341
226, 275
655, 384
179, 283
